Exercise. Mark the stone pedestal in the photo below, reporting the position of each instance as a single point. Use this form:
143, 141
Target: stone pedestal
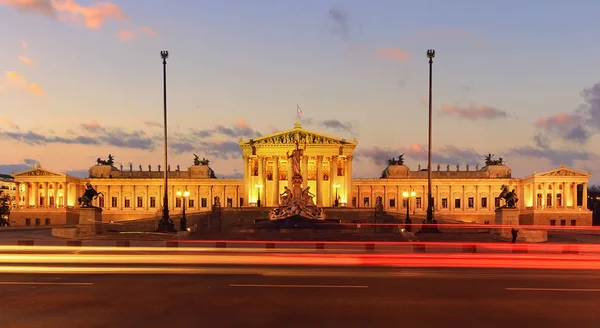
506, 217
90, 224
297, 186
509, 217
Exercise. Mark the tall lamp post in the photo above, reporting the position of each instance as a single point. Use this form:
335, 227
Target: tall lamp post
183, 195
430, 55
258, 187
407, 196
165, 225
336, 202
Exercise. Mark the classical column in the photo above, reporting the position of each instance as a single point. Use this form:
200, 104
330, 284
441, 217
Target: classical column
450, 199
463, 202
543, 195
18, 194
563, 195
237, 196
210, 198
348, 172
553, 194
27, 191
36, 198
276, 191
398, 198
263, 181
477, 197
260, 179
304, 171
46, 194
384, 200
247, 177
319, 188
333, 179
584, 196
147, 202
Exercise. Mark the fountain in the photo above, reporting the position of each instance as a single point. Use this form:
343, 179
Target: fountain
296, 202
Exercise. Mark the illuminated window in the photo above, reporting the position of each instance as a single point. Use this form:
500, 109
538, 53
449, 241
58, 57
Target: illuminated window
127, 202
152, 202
483, 202
113, 202
444, 202
140, 202
471, 201
419, 204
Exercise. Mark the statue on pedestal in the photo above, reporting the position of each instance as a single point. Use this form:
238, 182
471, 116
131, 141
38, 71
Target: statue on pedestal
296, 157
88, 196
510, 197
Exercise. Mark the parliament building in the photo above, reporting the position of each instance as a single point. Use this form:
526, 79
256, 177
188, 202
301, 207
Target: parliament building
556, 197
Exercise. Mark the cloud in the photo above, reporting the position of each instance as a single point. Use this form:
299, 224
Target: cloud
153, 124
24, 44
235, 175
93, 126
26, 60
240, 129
126, 35
43, 7
148, 31
392, 53
566, 126
330, 124
97, 135
31, 162
473, 112
93, 16
340, 20
416, 153
15, 80
556, 156
273, 129
8, 122
579, 125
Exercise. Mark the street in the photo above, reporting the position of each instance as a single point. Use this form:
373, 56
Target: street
305, 296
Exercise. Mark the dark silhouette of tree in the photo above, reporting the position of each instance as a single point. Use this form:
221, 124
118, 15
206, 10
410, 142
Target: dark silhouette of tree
4, 208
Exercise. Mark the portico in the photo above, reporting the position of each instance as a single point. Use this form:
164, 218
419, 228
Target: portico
325, 163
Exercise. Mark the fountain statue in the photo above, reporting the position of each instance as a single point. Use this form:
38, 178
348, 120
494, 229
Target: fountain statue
297, 201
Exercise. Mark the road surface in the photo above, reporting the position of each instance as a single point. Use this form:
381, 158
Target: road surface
304, 296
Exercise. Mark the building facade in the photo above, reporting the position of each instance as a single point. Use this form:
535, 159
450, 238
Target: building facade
472, 195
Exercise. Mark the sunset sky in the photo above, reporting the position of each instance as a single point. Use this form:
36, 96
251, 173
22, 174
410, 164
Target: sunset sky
82, 79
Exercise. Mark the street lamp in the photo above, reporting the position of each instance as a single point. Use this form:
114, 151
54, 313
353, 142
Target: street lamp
183, 222
336, 202
258, 186
430, 55
407, 221
165, 225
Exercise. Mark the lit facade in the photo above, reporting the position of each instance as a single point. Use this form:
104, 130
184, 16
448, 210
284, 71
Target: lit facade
471, 195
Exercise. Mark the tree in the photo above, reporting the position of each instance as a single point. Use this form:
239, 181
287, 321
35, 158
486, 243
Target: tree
4, 209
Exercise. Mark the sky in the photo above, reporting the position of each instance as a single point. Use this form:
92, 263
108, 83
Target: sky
82, 79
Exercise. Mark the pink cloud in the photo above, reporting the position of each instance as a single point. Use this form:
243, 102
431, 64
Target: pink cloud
558, 121
94, 15
24, 44
14, 79
43, 7
126, 35
272, 129
153, 124
91, 126
8, 122
474, 112
392, 53
148, 31
26, 60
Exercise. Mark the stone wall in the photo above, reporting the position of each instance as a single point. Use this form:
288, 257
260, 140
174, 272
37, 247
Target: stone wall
582, 219
193, 172
19, 218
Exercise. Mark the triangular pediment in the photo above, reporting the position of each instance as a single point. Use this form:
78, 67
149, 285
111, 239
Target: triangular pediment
38, 171
289, 137
564, 171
